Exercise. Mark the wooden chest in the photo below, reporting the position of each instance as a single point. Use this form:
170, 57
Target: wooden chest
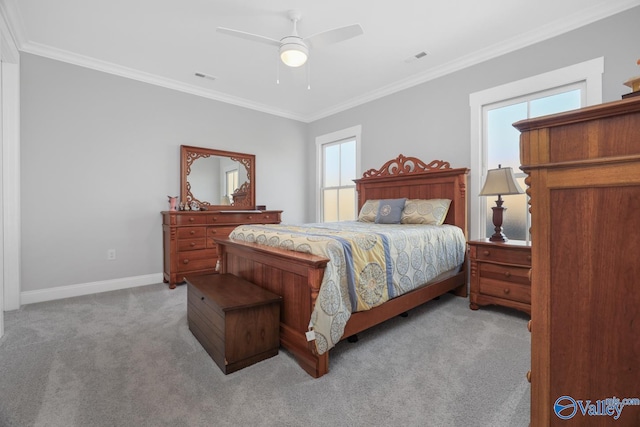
236, 322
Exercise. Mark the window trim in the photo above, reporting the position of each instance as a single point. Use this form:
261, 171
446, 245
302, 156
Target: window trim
590, 72
333, 137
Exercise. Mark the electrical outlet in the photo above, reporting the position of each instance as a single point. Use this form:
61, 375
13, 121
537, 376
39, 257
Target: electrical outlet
111, 254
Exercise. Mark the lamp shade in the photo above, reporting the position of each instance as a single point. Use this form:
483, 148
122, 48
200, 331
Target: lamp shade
500, 181
293, 51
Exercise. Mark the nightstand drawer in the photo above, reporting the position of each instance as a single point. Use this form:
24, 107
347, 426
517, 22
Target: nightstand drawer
509, 255
506, 290
504, 273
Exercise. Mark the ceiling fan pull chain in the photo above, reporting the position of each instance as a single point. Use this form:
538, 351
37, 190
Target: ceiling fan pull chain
308, 75
278, 71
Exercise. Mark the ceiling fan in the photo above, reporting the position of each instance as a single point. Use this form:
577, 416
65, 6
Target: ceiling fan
294, 50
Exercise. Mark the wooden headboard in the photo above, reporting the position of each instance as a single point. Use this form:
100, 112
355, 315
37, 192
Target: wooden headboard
410, 177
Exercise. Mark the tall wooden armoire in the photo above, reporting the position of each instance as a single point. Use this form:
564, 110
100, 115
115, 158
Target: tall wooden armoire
583, 171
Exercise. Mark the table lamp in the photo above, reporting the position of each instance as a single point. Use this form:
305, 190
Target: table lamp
500, 182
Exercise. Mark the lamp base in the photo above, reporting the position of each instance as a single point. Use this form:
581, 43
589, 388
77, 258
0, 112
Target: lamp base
498, 212
498, 237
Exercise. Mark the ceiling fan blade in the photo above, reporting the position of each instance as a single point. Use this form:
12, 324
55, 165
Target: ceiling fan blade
334, 36
248, 36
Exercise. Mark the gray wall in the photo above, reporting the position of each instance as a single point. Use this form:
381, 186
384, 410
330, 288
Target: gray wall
432, 120
101, 153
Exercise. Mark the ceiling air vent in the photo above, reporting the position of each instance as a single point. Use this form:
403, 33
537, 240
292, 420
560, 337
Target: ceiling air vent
415, 57
205, 76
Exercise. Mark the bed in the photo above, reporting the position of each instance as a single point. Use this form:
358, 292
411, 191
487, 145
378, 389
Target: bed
297, 276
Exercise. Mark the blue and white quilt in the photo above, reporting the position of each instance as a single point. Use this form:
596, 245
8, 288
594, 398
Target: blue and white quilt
368, 263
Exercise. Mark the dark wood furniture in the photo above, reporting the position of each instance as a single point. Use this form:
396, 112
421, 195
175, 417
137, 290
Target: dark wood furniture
297, 276
500, 274
188, 239
203, 178
583, 172
235, 321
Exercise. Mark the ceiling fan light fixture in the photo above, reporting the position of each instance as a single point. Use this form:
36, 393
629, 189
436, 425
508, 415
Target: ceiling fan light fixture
293, 51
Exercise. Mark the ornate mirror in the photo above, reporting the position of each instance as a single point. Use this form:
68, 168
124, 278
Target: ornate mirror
217, 179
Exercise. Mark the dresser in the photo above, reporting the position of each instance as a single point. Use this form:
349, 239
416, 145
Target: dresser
583, 180
500, 274
188, 238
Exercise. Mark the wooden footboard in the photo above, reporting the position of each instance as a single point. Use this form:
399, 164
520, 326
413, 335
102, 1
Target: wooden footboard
297, 277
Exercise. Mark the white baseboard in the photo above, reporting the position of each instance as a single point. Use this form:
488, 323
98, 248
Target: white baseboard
42, 295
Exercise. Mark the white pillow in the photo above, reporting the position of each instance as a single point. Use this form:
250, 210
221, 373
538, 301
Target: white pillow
425, 211
369, 211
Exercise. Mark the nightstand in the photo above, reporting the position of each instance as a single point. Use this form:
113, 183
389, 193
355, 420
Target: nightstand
500, 274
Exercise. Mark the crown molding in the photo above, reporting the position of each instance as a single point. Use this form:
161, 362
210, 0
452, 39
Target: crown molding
108, 67
13, 19
549, 30
552, 29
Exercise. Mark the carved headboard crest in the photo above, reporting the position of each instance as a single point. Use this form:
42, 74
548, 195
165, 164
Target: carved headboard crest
405, 165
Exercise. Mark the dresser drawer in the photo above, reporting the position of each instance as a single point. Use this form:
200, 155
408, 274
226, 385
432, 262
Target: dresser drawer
243, 218
191, 219
217, 233
506, 290
191, 244
191, 232
495, 253
197, 260
505, 273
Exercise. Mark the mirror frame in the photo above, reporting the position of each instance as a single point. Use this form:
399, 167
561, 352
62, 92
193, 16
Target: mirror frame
244, 197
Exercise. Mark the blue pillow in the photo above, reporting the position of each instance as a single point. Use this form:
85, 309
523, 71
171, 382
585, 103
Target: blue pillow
390, 211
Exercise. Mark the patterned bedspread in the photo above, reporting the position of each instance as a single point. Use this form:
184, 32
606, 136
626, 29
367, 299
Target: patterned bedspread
368, 263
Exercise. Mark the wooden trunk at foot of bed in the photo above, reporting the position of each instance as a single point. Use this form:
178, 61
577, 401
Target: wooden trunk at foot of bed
297, 277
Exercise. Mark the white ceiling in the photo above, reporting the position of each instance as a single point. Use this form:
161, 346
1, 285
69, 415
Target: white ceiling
166, 42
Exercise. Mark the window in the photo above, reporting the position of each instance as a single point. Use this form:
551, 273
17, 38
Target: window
494, 141
338, 166
231, 180
502, 147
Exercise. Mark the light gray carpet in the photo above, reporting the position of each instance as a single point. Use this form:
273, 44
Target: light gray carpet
127, 358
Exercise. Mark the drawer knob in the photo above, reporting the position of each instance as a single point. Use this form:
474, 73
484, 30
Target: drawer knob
485, 253
193, 244
267, 216
529, 376
215, 218
529, 325
506, 290
185, 261
191, 219
249, 217
192, 232
214, 231
507, 274
528, 257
